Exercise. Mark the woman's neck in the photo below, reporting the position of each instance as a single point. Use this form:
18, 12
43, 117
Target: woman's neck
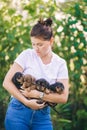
46, 59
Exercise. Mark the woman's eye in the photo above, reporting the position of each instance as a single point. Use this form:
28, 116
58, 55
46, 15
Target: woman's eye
40, 44
33, 44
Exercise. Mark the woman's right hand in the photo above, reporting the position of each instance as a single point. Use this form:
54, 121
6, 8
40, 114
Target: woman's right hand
32, 103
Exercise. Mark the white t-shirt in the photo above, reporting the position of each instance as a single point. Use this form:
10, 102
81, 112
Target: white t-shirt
32, 64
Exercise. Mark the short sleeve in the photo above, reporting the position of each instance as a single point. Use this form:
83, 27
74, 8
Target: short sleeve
21, 59
63, 71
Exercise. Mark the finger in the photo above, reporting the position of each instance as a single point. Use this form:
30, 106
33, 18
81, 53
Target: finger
22, 87
21, 90
41, 106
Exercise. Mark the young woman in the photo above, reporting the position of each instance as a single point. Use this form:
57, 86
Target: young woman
40, 62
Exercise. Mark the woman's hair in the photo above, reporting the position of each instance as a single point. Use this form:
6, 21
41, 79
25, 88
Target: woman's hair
42, 29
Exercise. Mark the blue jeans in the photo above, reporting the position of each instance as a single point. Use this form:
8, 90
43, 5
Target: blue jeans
20, 117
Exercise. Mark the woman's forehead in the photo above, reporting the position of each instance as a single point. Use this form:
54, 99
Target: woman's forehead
37, 40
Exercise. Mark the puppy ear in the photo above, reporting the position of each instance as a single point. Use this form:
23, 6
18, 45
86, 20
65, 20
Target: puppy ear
33, 80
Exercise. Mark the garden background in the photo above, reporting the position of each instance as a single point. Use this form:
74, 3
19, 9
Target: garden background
70, 32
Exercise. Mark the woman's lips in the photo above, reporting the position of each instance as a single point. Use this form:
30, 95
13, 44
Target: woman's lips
37, 52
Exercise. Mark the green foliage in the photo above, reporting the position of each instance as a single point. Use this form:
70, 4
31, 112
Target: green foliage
70, 34
62, 118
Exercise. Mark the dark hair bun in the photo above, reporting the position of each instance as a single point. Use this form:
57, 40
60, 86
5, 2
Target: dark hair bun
48, 22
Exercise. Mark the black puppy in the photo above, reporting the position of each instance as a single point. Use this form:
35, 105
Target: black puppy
17, 79
57, 87
42, 85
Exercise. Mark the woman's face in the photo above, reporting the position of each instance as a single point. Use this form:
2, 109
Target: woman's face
42, 47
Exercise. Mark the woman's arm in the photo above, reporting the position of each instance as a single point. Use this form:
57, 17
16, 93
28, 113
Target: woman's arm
11, 88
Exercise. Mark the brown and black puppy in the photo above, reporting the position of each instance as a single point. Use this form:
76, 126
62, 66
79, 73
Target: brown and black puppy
57, 87
42, 85
28, 82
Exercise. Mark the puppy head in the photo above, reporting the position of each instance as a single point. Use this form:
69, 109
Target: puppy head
18, 78
28, 80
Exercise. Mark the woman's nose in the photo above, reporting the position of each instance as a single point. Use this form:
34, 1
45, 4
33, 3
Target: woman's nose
36, 48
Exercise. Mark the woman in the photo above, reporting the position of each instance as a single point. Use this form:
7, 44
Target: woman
40, 62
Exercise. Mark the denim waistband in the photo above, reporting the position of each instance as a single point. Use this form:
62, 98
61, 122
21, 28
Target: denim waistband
13, 100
